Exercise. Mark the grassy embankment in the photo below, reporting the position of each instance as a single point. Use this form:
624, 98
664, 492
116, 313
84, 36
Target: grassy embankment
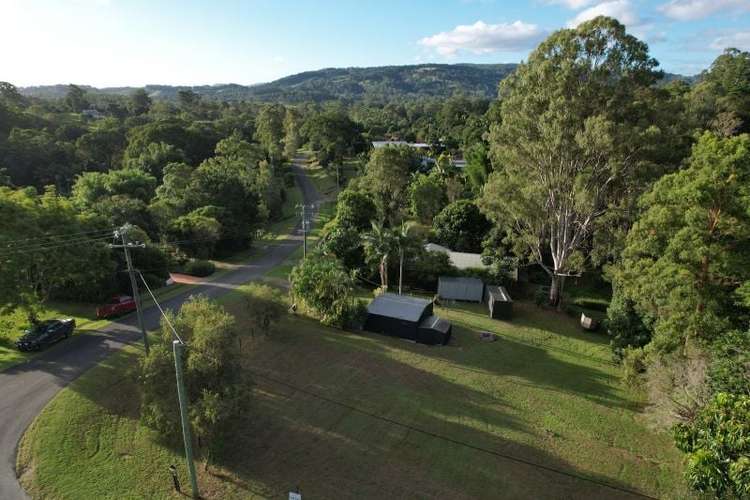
540, 413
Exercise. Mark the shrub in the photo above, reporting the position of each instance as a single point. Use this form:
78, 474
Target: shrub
289, 179
729, 370
717, 444
625, 326
633, 365
200, 268
322, 284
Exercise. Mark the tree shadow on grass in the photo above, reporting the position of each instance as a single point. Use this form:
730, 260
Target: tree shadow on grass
356, 443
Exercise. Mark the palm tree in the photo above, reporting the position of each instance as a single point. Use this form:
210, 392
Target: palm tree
380, 244
402, 240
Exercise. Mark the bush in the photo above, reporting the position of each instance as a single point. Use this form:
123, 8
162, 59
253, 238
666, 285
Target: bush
461, 227
199, 268
717, 444
729, 370
625, 326
322, 284
289, 179
633, 365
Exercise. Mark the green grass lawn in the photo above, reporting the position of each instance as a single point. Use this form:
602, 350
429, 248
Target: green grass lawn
540, 413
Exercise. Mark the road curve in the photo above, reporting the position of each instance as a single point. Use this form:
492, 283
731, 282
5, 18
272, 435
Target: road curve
27, 388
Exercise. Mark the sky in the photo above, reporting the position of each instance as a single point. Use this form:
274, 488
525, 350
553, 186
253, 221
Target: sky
108, 43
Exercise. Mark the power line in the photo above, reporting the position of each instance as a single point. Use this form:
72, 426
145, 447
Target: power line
54, 246
166, 318
42, 244
451, 440
64, 234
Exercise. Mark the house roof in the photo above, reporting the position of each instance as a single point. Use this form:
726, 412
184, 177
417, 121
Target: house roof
460, 260
398, 306
418, 145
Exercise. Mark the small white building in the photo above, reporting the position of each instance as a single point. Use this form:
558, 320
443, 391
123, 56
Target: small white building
464, 260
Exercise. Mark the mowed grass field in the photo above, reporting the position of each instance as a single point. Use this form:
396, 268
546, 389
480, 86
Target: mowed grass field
540, 413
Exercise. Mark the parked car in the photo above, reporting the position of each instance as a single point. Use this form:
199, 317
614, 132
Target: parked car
117, 306
46, 333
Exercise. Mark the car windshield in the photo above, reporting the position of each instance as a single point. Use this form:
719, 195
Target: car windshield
40, 328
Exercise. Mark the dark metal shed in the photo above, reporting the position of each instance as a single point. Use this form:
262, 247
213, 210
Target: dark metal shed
467, 289
405, 317
499, 302
433, 330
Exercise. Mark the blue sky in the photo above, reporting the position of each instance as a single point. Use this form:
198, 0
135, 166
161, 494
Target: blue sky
188, 42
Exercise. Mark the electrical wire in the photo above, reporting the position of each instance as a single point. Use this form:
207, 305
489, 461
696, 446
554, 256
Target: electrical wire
449, 439
56, 242
164, 315
53, 246
66, 234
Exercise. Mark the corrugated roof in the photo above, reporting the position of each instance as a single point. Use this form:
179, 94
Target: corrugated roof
435, 323
461, 260
398, 306
461, 288
499, 293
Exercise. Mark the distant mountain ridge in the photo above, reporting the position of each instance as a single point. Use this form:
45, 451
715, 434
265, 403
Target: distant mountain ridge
380, 83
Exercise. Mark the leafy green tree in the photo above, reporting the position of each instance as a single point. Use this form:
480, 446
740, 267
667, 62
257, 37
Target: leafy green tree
228, 185
139, 102
36, 158
570, 141
41, 258
196, 233
155, 157
102, 146
292, 132
689, 252
427, 196
461, 227
269, 130
354, 208
721, 99
625, 326
478, 166
217, 389
75, 99
333, 135
387, 178
717, 444
264, 306
322, 284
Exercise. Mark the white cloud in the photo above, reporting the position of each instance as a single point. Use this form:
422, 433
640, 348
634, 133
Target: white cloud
689, 10
621, 10
739, 40
482, 38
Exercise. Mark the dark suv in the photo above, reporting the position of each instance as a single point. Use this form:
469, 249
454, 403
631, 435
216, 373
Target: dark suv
46, 333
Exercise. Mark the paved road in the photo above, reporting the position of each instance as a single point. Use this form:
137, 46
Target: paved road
26, 389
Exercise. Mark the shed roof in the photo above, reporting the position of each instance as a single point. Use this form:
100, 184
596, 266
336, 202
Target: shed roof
499, 293
461, 288
398, 306
435, 323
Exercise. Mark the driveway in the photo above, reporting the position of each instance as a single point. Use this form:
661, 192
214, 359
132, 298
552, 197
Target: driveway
26, 389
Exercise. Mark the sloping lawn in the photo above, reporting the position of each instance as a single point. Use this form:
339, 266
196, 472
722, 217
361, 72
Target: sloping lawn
539, 413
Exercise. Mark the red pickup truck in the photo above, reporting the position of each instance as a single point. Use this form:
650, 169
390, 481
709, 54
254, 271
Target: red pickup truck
118, 305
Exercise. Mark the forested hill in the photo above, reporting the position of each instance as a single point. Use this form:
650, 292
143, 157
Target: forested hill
375, 83
380, 84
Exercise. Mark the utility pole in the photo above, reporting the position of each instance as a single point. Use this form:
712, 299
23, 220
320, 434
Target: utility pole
179, 348
305, 226
122, 233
